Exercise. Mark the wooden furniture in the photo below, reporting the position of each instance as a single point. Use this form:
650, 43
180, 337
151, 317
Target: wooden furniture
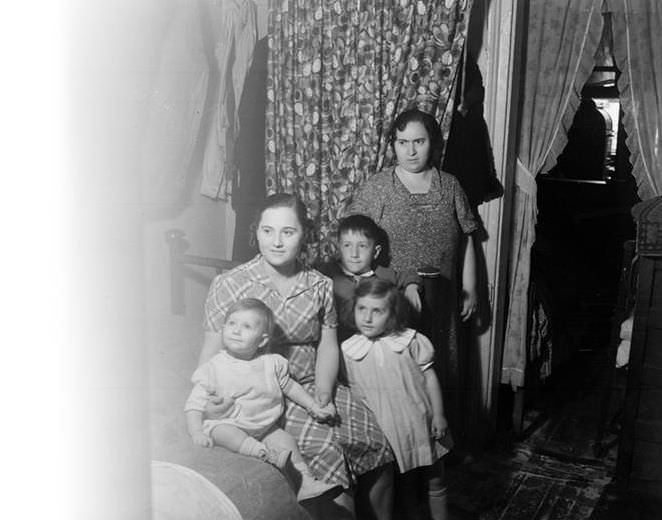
639, 463
179, 260
612, 402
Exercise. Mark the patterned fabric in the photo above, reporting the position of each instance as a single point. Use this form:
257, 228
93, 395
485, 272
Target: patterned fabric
338, 73
299, 316
349, 449
563, 37
637, 36
335, 454
426, 229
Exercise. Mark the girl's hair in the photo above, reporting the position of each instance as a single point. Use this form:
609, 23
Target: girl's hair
431, 126
378, 288
257, 306
285, 200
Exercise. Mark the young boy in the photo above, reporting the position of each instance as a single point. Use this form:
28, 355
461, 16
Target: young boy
256, 381
360, 242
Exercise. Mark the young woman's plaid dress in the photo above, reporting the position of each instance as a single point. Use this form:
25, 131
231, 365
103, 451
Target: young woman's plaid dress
336, 454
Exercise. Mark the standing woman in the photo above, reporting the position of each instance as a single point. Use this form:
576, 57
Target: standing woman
429, 222
353, 451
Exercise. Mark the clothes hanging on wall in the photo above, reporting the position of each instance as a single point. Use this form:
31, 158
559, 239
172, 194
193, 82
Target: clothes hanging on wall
468, 152
206, 53
234, 26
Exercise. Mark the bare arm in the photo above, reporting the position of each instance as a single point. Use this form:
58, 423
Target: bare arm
295, 392
194, 425
469, 281
326, 367
433, 389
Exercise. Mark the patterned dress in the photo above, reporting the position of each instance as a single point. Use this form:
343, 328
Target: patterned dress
426, 229
336, 454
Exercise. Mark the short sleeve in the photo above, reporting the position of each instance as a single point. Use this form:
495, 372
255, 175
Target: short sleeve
422, 351
219, 299
329, 316
407, 277
463, 211
282, 370
367, 200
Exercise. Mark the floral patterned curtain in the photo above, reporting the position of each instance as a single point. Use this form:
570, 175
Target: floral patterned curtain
637, 30
338, 73
562, 38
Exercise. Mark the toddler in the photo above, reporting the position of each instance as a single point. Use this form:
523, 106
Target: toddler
256, 381
360, 242
390, 367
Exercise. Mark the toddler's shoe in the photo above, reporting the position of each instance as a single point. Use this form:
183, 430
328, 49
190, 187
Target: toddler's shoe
311, 488
280, 459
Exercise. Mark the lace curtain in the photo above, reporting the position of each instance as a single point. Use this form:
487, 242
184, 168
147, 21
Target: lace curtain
338, 73
562, 38
637, 30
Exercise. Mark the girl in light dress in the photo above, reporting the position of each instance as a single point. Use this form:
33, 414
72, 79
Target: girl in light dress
390, 367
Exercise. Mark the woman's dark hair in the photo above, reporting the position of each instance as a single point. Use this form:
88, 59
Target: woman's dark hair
285, 200
378, 288
431, 126
258, 306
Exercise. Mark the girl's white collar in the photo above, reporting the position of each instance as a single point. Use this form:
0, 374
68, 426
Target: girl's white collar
358, 346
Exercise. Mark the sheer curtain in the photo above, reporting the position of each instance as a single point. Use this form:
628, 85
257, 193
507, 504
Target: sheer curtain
338, 72
562, 39
637, 30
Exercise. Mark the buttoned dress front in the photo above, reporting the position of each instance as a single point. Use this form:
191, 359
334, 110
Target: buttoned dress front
336, 454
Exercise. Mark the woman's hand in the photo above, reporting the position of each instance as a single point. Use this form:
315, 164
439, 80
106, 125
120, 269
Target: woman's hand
218, 407
439, 427
469, 304
200, 439
323, 414
413, 296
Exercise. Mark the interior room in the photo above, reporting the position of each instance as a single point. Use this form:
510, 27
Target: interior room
190, 113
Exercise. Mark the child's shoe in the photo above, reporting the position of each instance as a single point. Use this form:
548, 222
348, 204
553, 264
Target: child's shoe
280, 459
310, 486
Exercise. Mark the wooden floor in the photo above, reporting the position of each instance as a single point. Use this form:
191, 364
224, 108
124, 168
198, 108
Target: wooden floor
550, 473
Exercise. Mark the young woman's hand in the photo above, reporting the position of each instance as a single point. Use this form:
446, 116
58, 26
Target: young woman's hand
323, 413
413, 296
469, 304
439, 426
201, 439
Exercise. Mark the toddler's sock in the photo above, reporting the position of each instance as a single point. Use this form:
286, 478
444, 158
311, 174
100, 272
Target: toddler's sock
253, 448
259, 450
